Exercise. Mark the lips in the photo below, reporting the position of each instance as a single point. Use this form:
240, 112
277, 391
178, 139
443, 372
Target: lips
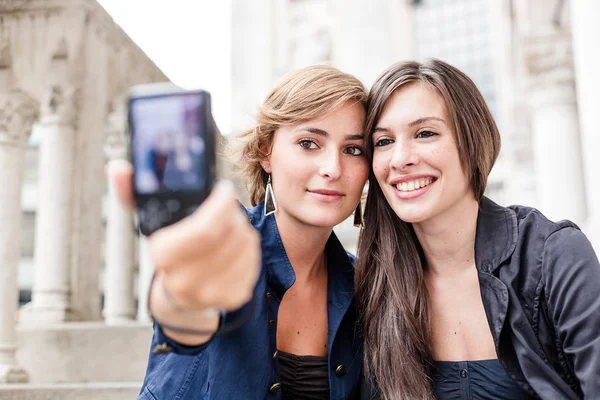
326, 195
407, 189
327, 192
409, 186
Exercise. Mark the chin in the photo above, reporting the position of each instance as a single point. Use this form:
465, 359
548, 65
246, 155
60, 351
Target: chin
323, 218
412, 216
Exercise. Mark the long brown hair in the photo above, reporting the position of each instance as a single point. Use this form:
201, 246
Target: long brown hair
299, 96
390, 284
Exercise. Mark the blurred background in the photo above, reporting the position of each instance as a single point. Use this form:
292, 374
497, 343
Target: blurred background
66, 66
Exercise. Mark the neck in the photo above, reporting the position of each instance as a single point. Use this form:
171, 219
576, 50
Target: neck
448, 240
304, 245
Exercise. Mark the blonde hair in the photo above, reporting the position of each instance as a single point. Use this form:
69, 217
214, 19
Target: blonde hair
299, 96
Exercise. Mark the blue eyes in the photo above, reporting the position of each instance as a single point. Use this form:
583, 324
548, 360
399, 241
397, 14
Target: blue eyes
307, 144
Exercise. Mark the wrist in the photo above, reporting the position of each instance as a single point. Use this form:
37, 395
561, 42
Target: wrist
175, 318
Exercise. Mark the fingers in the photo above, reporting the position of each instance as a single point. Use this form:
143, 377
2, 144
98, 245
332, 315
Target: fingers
120, 172
202, 232
212, 257
222, 278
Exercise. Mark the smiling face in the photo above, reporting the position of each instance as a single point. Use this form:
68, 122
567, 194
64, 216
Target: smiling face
415, 158
318, 167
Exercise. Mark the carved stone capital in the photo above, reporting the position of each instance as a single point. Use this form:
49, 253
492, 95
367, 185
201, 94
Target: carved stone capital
18, 113
115, 145
61, 103
548, 62
14, 5
5, 55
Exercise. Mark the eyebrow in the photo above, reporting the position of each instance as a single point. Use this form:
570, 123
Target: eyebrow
321, 132
413, 123
425, 119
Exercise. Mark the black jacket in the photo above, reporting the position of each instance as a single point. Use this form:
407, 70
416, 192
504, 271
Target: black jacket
540, 285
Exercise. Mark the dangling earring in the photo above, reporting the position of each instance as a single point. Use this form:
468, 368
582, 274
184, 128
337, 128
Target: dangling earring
358, 216
270, 204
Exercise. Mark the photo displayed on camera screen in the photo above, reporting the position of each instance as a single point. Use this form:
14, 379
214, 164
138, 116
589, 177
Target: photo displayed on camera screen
168, 144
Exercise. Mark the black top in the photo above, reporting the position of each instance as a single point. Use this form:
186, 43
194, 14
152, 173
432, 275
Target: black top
303, 377
539, 284
482, 380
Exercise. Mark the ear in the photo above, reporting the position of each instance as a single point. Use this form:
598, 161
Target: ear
265, 160
266, 164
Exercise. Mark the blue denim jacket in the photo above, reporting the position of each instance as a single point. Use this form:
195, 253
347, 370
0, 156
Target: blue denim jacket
240, 361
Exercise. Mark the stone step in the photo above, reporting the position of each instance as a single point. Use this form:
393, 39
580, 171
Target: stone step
80, 352
72, 391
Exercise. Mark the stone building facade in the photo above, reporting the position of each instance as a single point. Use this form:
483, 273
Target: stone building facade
65, 68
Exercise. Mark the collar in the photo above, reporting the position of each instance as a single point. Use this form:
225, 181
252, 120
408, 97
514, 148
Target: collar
496, 236
280, 274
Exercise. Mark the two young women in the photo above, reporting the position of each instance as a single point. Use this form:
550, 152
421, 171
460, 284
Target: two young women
458, 297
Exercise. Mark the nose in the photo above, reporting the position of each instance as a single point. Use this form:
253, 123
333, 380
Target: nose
331, 166
404, 156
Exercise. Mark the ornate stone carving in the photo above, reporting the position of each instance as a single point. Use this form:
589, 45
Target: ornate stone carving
5, 57
61, 101
115, 144
548, 62
13, 5
18, 112
62, 51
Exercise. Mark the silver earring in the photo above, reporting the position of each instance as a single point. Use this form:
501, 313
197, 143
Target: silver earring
270, 204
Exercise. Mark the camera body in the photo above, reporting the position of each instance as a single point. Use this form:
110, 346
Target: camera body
172, 150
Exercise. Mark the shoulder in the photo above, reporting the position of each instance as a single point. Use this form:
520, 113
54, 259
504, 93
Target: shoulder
555, 244
533, 224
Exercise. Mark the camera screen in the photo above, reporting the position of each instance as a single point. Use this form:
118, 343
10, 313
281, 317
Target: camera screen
168, 143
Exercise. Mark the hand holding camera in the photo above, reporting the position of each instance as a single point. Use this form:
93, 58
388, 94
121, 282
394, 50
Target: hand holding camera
206, 253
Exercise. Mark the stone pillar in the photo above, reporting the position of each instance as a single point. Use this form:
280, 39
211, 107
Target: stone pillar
557, 152
18, 112
146, 271
119, 302
585, 22
512, 115
51, 286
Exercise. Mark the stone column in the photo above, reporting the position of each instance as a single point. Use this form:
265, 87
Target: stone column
146, 271
119, 302
512, 115
557, 152
585, 22
51, 286
18, 112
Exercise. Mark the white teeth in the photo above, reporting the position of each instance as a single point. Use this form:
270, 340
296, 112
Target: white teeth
413, 185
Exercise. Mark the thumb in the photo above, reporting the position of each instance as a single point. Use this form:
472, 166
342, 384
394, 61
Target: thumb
120, 172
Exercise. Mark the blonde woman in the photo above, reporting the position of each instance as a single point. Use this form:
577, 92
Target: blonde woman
282, 273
